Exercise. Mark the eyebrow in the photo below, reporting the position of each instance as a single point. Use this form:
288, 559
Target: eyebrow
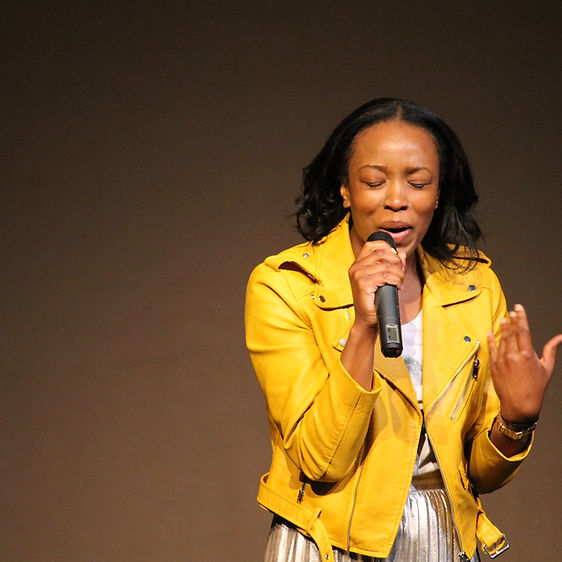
384, 168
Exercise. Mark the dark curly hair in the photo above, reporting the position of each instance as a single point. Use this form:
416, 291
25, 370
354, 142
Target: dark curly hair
320, 206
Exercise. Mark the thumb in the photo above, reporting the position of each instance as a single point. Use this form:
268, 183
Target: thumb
549, 353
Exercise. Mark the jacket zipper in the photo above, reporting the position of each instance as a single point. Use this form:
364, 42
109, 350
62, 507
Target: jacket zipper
354, 500
451, 382
462, 555
469, 381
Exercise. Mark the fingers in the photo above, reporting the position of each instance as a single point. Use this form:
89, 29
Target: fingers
549, 353
378, 264
376, 247
515, 333
509, 334
370, 278
516, 339
523, 332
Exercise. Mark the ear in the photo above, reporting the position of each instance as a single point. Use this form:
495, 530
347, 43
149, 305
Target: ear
344, 190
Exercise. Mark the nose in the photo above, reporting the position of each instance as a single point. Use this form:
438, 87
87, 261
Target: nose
395, 197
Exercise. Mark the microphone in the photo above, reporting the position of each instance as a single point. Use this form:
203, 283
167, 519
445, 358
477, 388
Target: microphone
388, 310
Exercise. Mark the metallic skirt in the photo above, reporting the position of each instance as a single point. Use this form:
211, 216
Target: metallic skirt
426, 532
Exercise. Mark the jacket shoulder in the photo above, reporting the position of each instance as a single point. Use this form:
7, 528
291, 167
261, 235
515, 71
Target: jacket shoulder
300, 258
278, 271
300, 255
482, 270
465, 264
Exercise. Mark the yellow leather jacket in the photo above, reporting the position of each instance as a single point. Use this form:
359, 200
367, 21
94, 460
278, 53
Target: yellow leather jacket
343, 457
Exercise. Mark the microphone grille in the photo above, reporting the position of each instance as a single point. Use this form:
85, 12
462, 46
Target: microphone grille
384, 236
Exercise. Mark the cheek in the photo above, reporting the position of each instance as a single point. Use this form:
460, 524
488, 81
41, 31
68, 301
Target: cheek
429, 209
366, 201
426, 207
429, 220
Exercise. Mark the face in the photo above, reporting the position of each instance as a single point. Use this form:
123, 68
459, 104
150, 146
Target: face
393, 184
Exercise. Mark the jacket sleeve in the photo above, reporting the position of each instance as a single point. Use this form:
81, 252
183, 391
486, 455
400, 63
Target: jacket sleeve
489, 468
321, 416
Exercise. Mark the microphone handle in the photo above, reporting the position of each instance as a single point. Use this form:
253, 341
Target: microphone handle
388, 316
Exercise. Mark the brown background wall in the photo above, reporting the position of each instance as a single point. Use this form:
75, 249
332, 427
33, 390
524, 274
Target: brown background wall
151, 156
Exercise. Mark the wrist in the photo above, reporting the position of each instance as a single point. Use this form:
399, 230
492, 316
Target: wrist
515, 430
518, 418
364, 330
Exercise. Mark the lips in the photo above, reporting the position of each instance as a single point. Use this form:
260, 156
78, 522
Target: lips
395, 226
398, 230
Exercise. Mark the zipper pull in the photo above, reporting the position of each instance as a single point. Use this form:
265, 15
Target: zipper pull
301, 493
475, 368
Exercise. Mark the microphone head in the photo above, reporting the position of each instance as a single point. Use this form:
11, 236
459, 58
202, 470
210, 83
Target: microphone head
384, 236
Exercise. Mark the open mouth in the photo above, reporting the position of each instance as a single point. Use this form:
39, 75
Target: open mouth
397, 230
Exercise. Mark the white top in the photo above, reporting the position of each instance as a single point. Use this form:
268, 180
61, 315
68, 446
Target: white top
412, 353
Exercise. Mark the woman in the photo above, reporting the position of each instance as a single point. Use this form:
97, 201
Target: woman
372, 460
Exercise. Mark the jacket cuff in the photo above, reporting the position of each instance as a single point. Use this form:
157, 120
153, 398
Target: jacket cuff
490, 469
519, 457
354, 386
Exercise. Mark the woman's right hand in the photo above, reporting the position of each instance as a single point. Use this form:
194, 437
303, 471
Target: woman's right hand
377, 264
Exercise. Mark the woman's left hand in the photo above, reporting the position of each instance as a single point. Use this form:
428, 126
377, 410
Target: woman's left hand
520, 377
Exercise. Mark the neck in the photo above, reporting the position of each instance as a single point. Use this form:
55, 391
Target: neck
411, 291
412, 266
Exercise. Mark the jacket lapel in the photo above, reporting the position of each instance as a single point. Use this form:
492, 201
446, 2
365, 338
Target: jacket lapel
447, 342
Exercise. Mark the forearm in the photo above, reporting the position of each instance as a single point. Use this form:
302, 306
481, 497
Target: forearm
327, 439
358, 354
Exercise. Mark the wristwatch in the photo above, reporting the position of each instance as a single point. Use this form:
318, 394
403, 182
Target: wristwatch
515, 431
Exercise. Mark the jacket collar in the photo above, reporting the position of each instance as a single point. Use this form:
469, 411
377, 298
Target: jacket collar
327, 264
445, 285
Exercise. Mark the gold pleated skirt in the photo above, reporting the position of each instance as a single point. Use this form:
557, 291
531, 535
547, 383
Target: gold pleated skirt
426, 532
